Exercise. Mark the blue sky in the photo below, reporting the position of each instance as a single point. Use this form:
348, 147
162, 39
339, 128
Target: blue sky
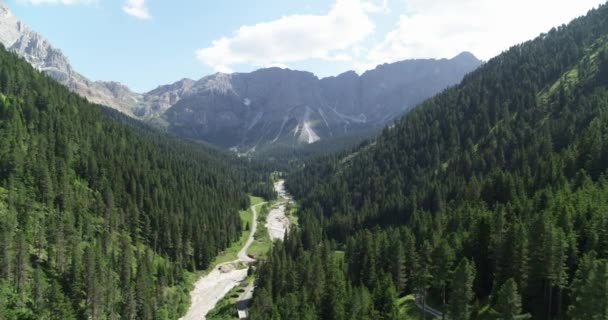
146, 43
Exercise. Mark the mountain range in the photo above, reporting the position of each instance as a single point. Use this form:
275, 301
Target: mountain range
267, 107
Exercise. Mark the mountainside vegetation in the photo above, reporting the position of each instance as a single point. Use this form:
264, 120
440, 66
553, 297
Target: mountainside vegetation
100, 219
488, 201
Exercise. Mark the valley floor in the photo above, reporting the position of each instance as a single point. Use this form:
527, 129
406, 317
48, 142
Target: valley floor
227, 287
277, 222
212, 287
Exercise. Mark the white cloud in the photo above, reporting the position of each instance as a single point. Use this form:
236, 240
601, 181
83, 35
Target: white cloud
65, 2
295, 38
137, 8
374, 7
444, 28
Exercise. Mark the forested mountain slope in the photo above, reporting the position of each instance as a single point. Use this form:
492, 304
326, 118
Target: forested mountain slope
99, 219
492, 191
265, 109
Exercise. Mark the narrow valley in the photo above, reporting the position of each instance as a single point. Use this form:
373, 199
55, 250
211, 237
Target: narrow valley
215, 285
212, 287
318, 160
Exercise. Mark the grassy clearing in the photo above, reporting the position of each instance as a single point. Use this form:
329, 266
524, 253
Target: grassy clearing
339, 255
291, 213
261, 244
232, 252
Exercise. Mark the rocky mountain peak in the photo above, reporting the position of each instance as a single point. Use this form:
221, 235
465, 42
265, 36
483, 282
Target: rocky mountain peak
34, 48
465, 56
266, 107
10, 27
220, 83
5, 12
39, 52
281, 107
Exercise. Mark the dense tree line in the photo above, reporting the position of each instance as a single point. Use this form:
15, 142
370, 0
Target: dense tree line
100, 219
254, 173
487, 201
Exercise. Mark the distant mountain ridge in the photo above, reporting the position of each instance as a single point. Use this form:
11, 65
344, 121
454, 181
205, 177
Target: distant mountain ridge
19, 38
267, 107
271, 106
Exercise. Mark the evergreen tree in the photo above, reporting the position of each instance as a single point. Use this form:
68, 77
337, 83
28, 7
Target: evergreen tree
144, 288
590, 289
59, 305
461, 291
385, 299
334, 307
508, 303
443, 258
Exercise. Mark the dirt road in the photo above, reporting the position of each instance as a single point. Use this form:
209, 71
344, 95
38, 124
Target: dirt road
212, 287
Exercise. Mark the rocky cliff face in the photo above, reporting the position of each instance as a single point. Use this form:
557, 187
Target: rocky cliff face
157, 101
244, 111
19, 38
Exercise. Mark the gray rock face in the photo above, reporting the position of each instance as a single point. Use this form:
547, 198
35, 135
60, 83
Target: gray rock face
19, 38
157, 101
267, 107
244, 111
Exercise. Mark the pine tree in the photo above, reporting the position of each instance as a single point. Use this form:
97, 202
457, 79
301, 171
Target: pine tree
129, 304
39, 289
144, 288
90, 281
461, 291
21, 256
422, 273
361, 304
59, 306
398, 266
443, 259
262, 305
513, 261
126, 262
385, 299
508, 303
582, 289
7, 227
590, 290
334, 301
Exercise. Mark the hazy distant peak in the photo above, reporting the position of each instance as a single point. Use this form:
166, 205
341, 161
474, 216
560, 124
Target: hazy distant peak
466, 56
348, 74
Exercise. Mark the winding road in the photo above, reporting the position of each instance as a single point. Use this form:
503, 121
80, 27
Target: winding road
277, 225
425, 308
212, 287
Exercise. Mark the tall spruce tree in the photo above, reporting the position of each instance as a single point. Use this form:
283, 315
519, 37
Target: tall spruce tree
461, 291
508, 302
